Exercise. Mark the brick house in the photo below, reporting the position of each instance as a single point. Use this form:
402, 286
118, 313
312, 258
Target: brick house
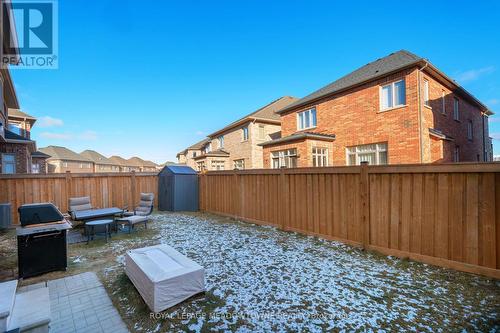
187, 156
17, 151
141, 165
397, 109
62, 159
236, 145
100, 162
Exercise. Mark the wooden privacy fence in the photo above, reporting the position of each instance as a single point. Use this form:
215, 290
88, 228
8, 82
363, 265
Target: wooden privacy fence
446, 215
104, 189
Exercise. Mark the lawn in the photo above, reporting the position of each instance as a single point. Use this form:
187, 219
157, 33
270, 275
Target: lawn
261, 279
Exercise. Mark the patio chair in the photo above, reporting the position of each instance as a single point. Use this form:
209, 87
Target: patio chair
145, 206
140, 214
78, 204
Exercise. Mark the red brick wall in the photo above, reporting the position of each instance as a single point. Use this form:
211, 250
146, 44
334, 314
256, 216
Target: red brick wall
435, 118
23, 156
304, 151
355, 118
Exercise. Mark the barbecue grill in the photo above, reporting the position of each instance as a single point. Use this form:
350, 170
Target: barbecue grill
41, 240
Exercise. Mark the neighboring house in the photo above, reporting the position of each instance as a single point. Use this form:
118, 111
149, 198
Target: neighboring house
62, 160
188, 155
141, 165
39, 162
397, 109
123, 163
236, 146
101, 162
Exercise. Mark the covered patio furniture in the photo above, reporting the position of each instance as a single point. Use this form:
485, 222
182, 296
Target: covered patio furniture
163, 276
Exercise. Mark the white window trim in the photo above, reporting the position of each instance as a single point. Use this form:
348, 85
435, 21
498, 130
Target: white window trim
309, 111
377, 151
443, 102
5, 163
394, 106
427, 99
470, 130
242, 161
320, 156
456, 154
456, 109
243, 139
282, 155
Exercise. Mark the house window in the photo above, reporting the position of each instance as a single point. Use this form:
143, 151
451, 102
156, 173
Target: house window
284, 158
8, 163
393, 95
306, 119
469, 130
320, 157
35, 168
244, 132
426, 93
375, 153
443, 102
218, 165
194, 154
16, 128
208, 148
201, 166
221, 141
65, 164
456, 154
456, 114
262, 132
239, 164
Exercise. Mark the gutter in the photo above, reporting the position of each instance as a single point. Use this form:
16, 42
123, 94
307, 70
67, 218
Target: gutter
420, 113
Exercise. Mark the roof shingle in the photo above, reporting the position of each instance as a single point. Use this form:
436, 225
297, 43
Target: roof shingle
372, 70
63, 153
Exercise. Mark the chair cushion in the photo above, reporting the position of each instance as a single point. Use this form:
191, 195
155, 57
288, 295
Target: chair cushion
81, 203
134, 219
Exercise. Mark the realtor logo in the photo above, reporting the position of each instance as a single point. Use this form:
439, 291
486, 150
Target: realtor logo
29, 34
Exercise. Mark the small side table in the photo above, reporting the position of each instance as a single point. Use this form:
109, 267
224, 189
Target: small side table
90, 228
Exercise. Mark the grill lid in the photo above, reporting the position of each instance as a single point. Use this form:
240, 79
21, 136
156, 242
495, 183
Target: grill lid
39, 213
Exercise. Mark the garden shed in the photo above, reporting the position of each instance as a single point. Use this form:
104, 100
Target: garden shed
178, 189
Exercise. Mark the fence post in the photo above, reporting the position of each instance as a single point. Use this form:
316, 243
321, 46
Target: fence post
68, 189
283, 199
365, 203
133, 188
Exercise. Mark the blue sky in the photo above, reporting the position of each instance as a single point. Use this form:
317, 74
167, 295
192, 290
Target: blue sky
149, 78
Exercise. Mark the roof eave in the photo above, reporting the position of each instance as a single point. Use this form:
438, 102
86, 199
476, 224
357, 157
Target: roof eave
312, 101
484, 108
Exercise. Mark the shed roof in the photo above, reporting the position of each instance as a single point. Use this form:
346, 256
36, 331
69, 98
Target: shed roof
179, 170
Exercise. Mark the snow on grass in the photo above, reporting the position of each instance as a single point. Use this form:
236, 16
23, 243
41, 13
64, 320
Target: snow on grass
263, 279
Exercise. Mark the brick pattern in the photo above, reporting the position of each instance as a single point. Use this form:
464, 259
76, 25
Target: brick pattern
442, 119
41, 162
304, 151
355, 117
238, 149
23, 156
60, 166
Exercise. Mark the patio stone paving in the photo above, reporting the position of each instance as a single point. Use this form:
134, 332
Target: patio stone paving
79, 304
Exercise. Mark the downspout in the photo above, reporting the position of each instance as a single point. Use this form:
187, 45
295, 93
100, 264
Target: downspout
420, 115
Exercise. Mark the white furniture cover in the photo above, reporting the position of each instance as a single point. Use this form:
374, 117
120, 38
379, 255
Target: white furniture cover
163, 276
